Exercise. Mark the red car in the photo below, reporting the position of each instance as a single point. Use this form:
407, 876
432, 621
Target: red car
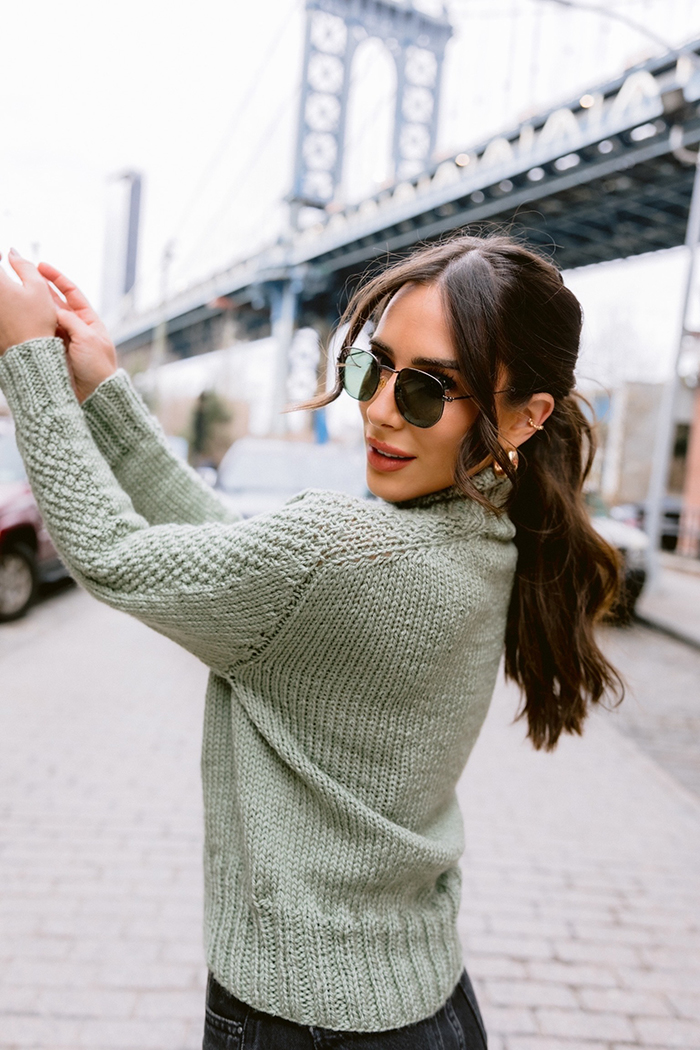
27, 555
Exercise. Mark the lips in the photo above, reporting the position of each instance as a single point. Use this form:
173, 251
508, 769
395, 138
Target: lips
389, 450
385, 458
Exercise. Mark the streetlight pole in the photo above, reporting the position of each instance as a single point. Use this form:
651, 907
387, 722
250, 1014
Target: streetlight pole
665, 430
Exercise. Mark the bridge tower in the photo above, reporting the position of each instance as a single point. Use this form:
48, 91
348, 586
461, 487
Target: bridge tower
334, 29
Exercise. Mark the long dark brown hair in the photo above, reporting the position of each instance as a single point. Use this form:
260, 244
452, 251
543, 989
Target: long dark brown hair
511, 315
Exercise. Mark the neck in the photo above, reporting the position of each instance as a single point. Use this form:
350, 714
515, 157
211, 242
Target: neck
494, 488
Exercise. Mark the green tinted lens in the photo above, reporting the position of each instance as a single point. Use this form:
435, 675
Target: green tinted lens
419, 397
361, 375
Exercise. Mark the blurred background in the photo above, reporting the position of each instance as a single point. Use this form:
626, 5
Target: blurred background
229, 175
217, 178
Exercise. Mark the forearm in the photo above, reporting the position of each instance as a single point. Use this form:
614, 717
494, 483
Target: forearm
83, 507
217, 589
162, 488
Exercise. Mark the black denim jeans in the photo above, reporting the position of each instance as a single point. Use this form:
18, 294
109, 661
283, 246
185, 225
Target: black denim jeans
232, 1025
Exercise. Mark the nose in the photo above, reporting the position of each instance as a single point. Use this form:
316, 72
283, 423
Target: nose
382, 409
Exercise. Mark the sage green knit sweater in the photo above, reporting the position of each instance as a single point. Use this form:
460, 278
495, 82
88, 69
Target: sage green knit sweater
353, 648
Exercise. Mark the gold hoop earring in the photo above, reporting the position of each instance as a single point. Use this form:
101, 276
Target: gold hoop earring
514, 459
535, 426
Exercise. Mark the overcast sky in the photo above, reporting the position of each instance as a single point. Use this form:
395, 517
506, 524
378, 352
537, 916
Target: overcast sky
202, 98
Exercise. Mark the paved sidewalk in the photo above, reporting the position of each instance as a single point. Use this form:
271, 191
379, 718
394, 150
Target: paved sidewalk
100, 809
674, 603
581, 897
581, 916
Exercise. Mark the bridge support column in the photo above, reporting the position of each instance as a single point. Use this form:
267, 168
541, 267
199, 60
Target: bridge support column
285, 302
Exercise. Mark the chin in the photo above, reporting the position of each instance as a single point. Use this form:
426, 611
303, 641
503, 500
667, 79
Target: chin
382, 485
393, 488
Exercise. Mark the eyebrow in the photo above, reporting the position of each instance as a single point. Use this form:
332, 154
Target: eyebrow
437, 362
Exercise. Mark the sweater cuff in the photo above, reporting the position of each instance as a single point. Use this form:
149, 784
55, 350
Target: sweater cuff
118, 417
34, 376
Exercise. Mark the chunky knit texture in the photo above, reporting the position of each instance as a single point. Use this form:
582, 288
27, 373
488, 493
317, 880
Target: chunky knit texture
353, 647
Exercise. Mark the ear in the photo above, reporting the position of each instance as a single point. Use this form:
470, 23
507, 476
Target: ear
523, 422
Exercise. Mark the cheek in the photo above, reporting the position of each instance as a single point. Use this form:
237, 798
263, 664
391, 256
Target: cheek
447, 435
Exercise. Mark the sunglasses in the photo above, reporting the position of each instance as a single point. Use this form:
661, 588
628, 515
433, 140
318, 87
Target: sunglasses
420, 396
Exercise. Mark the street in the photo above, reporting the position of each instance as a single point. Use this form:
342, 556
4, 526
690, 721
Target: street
581, 901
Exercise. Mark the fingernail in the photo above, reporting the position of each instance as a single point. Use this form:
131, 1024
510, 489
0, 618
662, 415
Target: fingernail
13, 251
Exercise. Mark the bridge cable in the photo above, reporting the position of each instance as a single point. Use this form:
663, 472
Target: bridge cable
244, 172
610, 12
238, 114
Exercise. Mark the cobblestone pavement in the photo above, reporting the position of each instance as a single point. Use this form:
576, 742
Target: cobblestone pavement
661, 711
100, 801
581, 894
581, 897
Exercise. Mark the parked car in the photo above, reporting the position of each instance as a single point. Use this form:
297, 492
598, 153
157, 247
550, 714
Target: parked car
260, 474
633, 546
671, 511
27, 555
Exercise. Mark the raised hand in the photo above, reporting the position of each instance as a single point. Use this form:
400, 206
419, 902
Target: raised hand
27, 310
91, 353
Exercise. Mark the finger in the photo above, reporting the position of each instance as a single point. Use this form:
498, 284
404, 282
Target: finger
74, 297
25, 270
5, 277
58, 299
71, 324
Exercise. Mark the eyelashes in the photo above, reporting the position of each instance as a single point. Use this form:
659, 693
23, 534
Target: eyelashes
444, 377
447, 380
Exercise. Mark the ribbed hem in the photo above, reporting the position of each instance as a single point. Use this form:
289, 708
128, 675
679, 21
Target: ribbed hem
34, 376
117, 417
371, 977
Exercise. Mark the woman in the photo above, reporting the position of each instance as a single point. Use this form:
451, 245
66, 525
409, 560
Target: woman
353, 645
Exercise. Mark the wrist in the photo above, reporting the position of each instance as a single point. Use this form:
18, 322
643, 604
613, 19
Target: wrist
8, 342
84, 390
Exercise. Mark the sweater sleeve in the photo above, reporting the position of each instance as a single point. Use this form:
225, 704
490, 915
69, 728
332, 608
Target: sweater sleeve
220, 590
162, 488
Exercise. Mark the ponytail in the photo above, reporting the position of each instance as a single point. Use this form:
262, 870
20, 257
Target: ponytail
566, 579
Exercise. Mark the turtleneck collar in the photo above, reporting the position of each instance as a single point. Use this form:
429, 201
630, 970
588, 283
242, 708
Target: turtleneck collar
495, 489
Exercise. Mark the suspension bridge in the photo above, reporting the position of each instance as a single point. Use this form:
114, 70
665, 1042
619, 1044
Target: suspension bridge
606, 176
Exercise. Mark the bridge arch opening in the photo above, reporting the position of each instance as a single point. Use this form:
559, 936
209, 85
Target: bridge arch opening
368, 151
